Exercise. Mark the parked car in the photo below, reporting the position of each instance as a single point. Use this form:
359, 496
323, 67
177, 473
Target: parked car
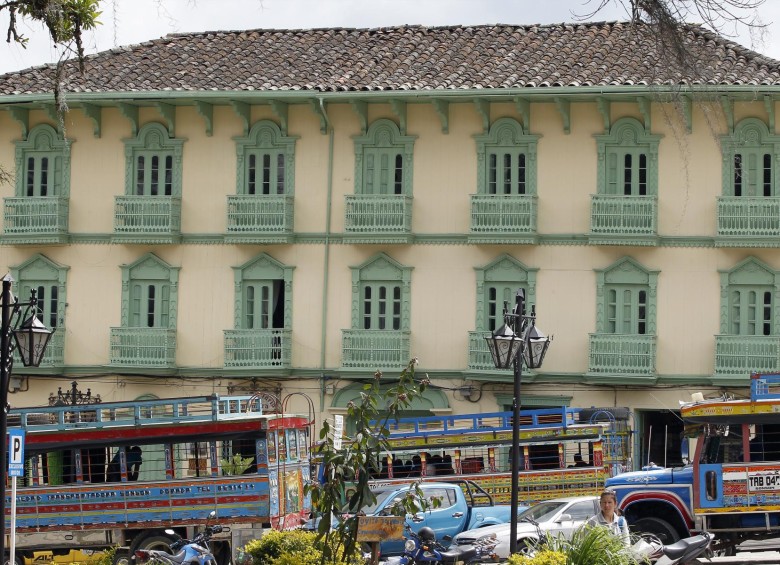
558, 516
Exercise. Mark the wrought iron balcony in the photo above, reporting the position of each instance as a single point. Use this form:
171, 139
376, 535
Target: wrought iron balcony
143, 347
259, 218
147, 219
499, 218
479, 355
741, 355
748, 217
37, 219
378, 218
375, 349
258, 349
622, 354
613, 218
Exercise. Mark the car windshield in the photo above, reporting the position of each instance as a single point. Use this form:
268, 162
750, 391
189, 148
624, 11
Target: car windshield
542, 511
381, 496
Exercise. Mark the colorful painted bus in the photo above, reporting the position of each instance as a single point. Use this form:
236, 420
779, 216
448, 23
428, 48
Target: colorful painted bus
119, 474
731, 486
562, 453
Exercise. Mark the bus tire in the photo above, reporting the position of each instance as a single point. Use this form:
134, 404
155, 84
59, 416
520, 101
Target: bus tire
660, 528
121, 556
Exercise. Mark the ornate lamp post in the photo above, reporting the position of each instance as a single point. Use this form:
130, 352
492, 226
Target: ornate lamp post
30, 337
518, 341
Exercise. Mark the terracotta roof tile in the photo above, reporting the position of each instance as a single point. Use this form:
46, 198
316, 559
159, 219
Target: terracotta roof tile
407, 58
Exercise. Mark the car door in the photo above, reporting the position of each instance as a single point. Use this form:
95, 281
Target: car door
448, 517
579, 512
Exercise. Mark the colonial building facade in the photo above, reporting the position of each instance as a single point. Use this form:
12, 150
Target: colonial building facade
291, 211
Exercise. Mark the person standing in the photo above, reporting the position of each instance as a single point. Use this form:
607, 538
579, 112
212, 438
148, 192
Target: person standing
609, 517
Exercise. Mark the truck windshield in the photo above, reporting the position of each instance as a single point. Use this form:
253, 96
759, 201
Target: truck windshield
542, 511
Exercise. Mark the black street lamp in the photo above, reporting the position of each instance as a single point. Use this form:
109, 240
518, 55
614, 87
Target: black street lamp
518, 341
30, 337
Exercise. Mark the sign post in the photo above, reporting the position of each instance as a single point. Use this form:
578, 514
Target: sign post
15, 469
338, 431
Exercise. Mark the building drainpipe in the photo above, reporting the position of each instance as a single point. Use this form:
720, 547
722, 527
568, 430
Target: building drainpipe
326, 258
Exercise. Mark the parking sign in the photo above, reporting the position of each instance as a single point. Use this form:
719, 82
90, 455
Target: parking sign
15, 453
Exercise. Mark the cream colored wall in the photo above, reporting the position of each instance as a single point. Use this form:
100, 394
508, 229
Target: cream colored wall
443, 278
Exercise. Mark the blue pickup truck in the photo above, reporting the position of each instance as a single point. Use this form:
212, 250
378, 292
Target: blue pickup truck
462, 506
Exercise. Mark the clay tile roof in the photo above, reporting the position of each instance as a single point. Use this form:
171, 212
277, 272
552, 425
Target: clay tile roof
410, 58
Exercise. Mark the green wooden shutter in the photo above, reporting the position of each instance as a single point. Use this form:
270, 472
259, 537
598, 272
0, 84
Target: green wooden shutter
496, 295
750, 311
627, 310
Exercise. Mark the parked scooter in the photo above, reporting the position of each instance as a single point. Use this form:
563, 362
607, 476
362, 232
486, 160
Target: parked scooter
652, 550
185, 552
421, 548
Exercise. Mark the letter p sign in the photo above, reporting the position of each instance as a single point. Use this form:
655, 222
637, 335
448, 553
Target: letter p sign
15, 453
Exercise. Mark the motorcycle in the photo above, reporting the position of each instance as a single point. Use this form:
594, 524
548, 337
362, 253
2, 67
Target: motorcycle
650, 549
185, 552
422, 548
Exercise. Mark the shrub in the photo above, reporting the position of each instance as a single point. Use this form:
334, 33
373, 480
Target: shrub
102, 557
544, 557
294, 547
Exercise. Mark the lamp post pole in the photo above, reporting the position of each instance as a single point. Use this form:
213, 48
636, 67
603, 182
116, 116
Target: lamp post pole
31, 338
6, 360
518, 341
515, 443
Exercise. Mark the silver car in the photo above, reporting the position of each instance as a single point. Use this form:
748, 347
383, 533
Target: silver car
559, 516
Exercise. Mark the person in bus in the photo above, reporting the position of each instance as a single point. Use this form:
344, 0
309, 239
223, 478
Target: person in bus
578, 462
609, 517
134, 460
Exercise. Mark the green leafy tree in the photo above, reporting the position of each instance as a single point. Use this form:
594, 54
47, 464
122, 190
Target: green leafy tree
349, 469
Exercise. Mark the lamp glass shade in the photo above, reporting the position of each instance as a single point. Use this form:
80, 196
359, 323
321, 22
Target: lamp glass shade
31, 338
504, 345
536, 347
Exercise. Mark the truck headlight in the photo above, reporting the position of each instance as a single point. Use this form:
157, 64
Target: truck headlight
409, 546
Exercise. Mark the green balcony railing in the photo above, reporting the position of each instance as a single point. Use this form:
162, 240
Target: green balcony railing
741, 355
258, 349
54, 356
143, 347
40, 215
258, 215
375, 349
503, 214
369, 214
741, 216
626, 216
147, 215
479, 355
621, 354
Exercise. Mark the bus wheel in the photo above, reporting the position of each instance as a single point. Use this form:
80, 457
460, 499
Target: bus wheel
662, 529
121, 556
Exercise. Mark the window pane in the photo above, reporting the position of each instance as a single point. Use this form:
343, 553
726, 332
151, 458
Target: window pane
150, 306
736, 297
642, 174
507, 173
155, 183
642, 313
139, 175
738, 175
397, 308
399, 173
492, 174
266, 174
367, 308
280, 173
30, 176
265, 307
767, 174
44, 176
382, 308
250, 308
168, 175
627, 168
251, 173
53, 302
767, 313
521, 173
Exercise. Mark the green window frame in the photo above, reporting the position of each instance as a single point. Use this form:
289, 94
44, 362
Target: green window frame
497, 282
263, 294
43, 164
153, 163
265, 161
381, 292
149, 293
506, 159
627, 160
48, 279
750, 293
627, 299
383, 160
750, 155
